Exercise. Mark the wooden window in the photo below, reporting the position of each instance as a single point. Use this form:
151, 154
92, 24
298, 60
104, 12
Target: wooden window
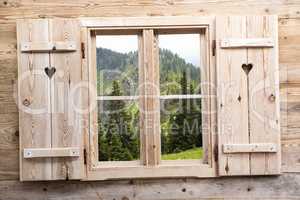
149, 96
64, 92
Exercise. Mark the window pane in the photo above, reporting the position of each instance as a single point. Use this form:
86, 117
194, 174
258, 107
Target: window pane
118, 131
117, 59
117, 66
181, 122
179, 62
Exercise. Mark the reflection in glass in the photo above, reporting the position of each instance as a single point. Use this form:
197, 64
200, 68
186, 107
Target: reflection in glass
179, 62
117, 66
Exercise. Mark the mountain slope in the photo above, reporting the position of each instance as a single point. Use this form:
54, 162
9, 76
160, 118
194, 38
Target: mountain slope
113, 65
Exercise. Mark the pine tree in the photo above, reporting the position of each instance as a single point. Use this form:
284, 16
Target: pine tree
120, 141
186, 125
184, 91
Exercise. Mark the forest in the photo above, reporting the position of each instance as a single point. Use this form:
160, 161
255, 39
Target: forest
181, 134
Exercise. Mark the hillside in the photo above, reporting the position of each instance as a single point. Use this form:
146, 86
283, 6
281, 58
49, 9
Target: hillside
181, 134
112, 65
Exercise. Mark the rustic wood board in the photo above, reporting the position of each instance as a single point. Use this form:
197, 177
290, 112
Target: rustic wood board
65, 90
285, 187
34, 100
233, 81
264, 94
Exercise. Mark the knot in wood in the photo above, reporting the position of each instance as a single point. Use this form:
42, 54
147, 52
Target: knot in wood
272, 98
26, 102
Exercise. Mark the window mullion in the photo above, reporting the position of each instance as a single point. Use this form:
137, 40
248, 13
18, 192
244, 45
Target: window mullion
149, 99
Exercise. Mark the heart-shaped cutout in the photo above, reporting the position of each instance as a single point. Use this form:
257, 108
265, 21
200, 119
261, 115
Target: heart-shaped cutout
50, 71
247, 68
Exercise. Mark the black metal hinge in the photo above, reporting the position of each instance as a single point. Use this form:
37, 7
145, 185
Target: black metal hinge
84, 156
82, 50
214, 47
216, 153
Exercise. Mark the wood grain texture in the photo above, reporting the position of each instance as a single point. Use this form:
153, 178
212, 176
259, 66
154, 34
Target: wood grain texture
250, 148
285, 187
233, 97
257, 96
264, 114
65, 90
150, 105
289, 51
51, 152
55, 46
34, 100
12, 9
247, 42
55, 122
93, 103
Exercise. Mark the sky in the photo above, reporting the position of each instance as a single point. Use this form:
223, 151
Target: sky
186, 46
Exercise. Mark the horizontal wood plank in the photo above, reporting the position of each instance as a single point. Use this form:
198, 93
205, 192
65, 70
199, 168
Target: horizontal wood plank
51, 152
284, 187
247, 43
48, 46
165, 170
145, 21
249, 148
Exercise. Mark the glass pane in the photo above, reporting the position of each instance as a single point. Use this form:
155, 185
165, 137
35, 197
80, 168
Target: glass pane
179, 62
117, 67
118, 131
117, 59
181, 122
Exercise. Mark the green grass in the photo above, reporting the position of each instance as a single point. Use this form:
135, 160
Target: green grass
195, 153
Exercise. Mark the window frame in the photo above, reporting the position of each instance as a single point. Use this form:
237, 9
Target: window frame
142, 169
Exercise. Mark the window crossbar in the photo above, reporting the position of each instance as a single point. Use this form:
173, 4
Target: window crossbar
163, 97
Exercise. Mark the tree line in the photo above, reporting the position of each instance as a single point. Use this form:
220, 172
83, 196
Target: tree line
119, 120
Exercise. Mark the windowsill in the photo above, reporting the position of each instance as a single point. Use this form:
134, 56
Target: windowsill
134, 170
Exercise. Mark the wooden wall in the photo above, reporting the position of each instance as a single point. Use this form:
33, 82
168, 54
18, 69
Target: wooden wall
284, 187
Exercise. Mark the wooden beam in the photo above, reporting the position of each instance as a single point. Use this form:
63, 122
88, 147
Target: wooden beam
226, 188
48, 46
250, 148
153, 21
247, 43
51, 152
149, 101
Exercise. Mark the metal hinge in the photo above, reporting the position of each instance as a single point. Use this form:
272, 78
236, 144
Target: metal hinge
214, 47
82, 50
216, 153
84, 156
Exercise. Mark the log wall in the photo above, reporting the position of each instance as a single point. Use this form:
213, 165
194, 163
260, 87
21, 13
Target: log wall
286, 186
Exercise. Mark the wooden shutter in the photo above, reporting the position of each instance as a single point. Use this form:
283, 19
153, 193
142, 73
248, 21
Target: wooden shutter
248, 97
51, 144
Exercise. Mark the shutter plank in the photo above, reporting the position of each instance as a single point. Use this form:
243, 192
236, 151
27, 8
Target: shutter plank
249, 148
247, 42
264, 101
66, 122
34, 95
57, 46
233, 113
51, 152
